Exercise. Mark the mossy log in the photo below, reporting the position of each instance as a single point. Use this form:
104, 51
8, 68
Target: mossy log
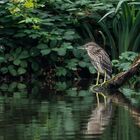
118, 80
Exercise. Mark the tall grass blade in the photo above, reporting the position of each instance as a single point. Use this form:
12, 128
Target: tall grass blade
109, 13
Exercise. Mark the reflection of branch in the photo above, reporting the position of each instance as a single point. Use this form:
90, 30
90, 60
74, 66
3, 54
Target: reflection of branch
101, 115
121, 100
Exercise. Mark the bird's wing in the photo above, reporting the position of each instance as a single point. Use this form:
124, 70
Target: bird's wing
105, 61
100, 58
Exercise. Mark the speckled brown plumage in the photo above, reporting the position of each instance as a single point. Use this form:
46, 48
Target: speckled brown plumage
99, 58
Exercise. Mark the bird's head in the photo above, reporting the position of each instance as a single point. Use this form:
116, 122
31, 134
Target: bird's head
89, 46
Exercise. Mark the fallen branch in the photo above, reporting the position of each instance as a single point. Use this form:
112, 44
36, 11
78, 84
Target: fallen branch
122, 77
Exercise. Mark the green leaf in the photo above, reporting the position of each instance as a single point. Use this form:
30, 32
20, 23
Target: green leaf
35, 66
53, 43
60, 71
16, 62
61, 51
2, 59
124, 66
67, 45
24, 54
72, 64
4, 70
115, 63
119, 5
45, 51
12, 70
78, 53
42, 46
88, 29
110, 12
92, 69
18, 50
21, 86
34, 52
24, 64
69, 35
21, 70
82, 64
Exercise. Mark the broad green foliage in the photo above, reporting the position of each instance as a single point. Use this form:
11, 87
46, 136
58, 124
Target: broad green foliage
42, 37
38, 36
125, 25
131, 94
125, 60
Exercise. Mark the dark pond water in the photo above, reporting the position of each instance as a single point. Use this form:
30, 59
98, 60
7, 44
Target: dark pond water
70, 114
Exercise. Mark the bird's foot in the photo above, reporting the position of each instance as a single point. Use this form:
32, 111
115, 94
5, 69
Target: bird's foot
104, 96
92, 87
103, 83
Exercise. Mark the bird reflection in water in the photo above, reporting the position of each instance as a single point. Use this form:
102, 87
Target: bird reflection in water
100, 116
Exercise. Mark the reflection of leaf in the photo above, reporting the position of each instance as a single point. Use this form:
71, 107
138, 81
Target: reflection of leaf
12, 86
72, 92
132, 95
83, 93
35, 90
2, 59
61, 86
16, 95
21, 86
4, 87
128, 92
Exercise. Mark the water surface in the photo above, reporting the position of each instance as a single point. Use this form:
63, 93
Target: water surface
70, 114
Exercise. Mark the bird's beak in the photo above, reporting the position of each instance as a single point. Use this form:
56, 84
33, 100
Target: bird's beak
81, 48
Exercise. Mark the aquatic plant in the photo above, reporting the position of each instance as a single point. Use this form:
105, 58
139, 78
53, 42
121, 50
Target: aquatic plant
123, 31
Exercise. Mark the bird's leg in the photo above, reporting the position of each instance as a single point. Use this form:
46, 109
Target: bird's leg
103, 97
104, 78
97, 96
97, 80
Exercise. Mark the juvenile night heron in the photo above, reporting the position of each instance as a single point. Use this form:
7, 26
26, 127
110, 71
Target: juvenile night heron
100, 59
